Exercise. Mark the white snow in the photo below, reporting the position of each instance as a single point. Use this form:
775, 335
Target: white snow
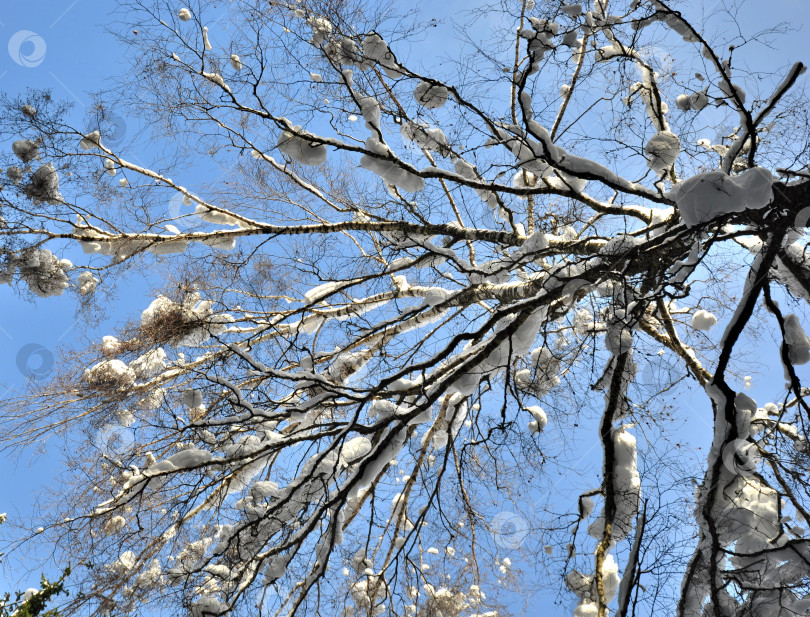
43, 186
301, 149
430, 95
168, 248
114, 525
206, 606
192, 310
184, 14
797, 342
540, 419
159, 305
703, 320
212, 216
126, 561
90, 141
15, 174
626, 485
388, 170
26, 150
217, 79
40, 269
264, 489
87, 283
375, 48
321, 28
370, 109
153, 400
354, 449
110, 345
538, 241
432, 139
610, 577
149, 364
184, 459
696, 101
662, 150
321, 291
111, 374
706, 196
619, 245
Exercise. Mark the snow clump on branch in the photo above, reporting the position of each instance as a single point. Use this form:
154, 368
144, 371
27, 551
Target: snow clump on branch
15, 174
26, 150
375, 48
706, 196
797, 342
109, 375
696, 101
662, 151
703, 320
191, 323
432, 139
87, 283
40, 269
300, 148
388, 170
43, 186
90, 141
431, 96
626, 487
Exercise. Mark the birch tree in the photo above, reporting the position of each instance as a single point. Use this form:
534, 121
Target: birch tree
427, 291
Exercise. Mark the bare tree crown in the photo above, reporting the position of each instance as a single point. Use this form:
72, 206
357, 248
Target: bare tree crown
420, 290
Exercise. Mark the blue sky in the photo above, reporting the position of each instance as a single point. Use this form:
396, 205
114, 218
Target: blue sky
61, 45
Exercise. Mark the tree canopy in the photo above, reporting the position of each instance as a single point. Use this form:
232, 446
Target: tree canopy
417, 351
